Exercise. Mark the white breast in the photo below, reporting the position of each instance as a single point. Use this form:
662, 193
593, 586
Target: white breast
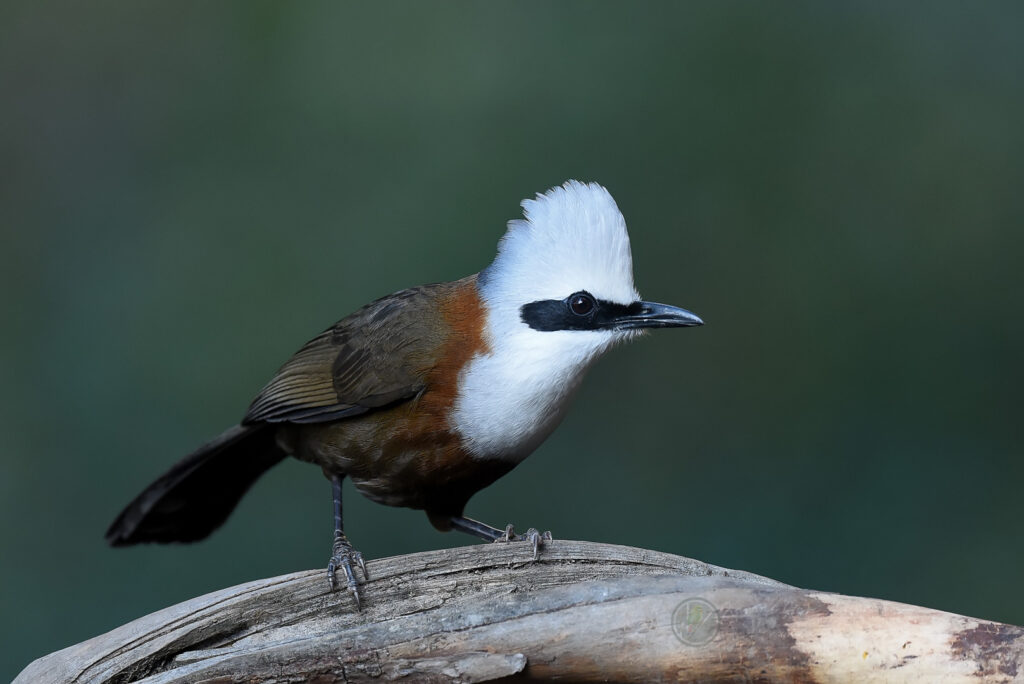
511, 398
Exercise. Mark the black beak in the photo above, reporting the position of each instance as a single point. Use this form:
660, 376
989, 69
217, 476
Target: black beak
653, 315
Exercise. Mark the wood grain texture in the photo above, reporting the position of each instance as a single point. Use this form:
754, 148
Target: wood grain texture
583, 612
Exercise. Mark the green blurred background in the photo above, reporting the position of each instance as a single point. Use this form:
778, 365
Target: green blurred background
189, 191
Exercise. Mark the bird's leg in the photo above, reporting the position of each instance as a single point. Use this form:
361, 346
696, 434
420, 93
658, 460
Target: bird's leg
342, 553
493, 534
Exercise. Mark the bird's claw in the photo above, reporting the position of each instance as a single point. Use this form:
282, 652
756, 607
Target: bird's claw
531, 535
342, 556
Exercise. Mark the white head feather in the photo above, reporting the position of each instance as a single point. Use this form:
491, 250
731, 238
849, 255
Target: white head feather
573, 238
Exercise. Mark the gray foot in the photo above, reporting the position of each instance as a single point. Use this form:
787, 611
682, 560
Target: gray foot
531, 535
343, 556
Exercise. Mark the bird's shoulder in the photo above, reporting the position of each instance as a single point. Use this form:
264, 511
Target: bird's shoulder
378, 355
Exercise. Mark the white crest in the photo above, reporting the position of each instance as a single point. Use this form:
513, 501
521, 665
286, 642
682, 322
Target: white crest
573, 238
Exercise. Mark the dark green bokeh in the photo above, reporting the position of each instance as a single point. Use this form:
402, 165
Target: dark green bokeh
189, 191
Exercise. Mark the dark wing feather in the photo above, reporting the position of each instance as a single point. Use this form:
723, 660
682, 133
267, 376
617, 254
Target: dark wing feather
373, 358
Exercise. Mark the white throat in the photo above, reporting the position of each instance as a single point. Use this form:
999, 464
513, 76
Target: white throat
511, 398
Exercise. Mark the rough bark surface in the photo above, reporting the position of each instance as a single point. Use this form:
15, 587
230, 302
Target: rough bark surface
583, 612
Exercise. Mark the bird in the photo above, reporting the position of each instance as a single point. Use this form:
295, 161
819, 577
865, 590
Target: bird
426, 396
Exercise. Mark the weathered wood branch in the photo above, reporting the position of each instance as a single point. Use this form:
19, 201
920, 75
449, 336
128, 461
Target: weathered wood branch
583, 612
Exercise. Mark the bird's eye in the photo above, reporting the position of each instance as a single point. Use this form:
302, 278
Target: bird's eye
581, 303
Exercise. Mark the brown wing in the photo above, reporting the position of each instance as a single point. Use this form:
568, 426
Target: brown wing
375, 357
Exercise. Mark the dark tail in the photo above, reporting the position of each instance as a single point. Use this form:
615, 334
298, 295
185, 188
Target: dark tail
195, 497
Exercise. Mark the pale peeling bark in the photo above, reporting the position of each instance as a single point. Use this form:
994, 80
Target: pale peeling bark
583, 612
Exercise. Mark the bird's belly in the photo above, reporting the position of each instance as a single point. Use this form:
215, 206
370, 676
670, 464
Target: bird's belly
393, 457
437, 483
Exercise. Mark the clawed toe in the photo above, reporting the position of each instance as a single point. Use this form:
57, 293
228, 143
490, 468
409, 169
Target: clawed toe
532, 535
343, 556
536, 538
